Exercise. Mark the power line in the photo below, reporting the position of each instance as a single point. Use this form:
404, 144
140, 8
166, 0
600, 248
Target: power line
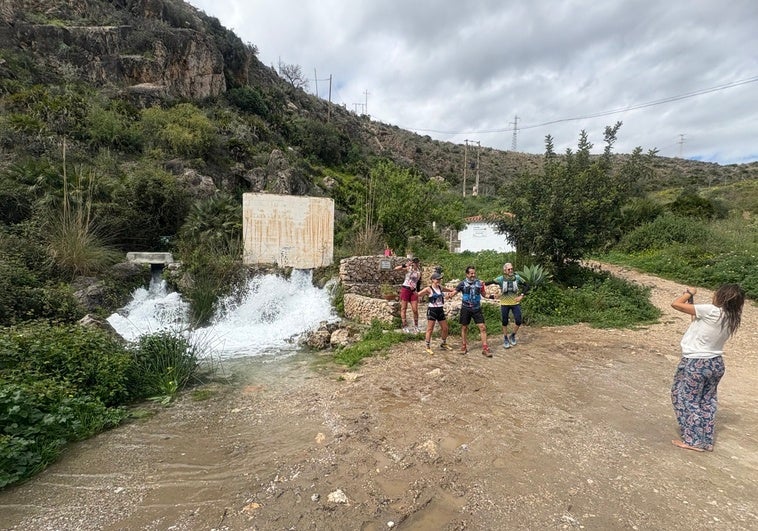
598, 114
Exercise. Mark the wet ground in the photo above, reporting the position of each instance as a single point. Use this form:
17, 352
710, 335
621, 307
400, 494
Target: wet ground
569, 429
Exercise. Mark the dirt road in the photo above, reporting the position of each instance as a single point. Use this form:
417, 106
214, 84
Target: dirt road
570, 429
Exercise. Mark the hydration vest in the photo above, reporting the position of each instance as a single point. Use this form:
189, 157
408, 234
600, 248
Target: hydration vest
510, 286
436, 300
472, 293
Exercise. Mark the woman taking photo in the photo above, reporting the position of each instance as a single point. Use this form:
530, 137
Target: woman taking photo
409, 294
697, 377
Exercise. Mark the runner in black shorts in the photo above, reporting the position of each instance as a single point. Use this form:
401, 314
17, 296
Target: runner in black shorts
472, 291
435, 311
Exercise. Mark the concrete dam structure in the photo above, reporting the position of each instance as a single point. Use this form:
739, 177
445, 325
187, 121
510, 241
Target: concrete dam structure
286, 230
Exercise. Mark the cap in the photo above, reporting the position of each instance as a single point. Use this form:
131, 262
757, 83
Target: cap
436, 276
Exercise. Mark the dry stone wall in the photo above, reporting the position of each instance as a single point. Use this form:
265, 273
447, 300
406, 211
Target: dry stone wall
365, 279
366, 309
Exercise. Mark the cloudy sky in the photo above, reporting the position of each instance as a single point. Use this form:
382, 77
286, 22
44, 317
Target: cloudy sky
681, 75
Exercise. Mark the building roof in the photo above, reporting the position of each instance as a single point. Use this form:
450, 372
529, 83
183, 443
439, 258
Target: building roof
488, 218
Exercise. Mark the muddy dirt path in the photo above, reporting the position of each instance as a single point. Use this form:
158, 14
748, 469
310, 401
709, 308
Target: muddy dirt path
570, 429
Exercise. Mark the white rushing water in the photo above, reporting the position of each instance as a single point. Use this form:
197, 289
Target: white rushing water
269, 318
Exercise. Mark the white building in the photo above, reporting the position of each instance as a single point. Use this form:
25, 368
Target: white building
480, 234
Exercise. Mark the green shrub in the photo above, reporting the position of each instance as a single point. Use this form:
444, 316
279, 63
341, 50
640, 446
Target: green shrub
587, 296
664, 230
338, 299
374, 341
546, 305
152, 207
162, 364
639, 211
612, 303
16, 201
181, 130
112, 125
689, 204
213, 275
24, 297
249, 100
88, 360
39, 418
321, 141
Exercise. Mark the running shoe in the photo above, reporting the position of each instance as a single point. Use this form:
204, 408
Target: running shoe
486, 351
512, 339
445, 346
429, 350
506, 343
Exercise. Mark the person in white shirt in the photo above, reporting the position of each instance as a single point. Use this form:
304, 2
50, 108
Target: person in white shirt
409, 293
694, 392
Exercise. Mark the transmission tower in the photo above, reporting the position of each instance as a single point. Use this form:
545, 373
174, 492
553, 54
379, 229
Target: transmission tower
514, 140
681, 143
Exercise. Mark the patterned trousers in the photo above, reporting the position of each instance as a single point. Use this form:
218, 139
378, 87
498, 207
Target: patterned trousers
694, 396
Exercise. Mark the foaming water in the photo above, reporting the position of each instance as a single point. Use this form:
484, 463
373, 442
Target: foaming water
269, 316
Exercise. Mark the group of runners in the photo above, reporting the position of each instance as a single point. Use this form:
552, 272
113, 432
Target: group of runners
472, 290
694, 391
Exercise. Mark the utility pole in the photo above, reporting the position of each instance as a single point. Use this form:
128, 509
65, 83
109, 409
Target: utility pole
514, 123
329, 108
681, 143
476, 186
465, 165
315, 78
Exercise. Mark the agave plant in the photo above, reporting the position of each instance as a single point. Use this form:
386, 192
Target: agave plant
534, 275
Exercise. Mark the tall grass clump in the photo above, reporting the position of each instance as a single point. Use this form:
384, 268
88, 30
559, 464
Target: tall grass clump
73, 242
212, 275
163, 364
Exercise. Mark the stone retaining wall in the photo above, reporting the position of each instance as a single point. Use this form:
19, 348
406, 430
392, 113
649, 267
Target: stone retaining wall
364, 278
366, 309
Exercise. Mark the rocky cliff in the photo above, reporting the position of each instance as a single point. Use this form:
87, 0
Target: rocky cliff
159, 50
161, 47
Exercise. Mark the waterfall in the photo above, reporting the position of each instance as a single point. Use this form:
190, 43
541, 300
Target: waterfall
269, 316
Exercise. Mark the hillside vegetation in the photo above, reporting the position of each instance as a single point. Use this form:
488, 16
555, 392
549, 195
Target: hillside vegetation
132, 126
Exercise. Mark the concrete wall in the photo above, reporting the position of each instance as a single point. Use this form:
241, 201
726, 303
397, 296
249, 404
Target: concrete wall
286, 230
150, 258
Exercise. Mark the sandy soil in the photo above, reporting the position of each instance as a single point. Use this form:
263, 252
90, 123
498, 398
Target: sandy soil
570, 429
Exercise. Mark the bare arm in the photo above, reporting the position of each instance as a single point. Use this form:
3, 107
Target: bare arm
684, 302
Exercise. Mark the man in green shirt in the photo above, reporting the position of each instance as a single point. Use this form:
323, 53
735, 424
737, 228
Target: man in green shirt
513, 288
